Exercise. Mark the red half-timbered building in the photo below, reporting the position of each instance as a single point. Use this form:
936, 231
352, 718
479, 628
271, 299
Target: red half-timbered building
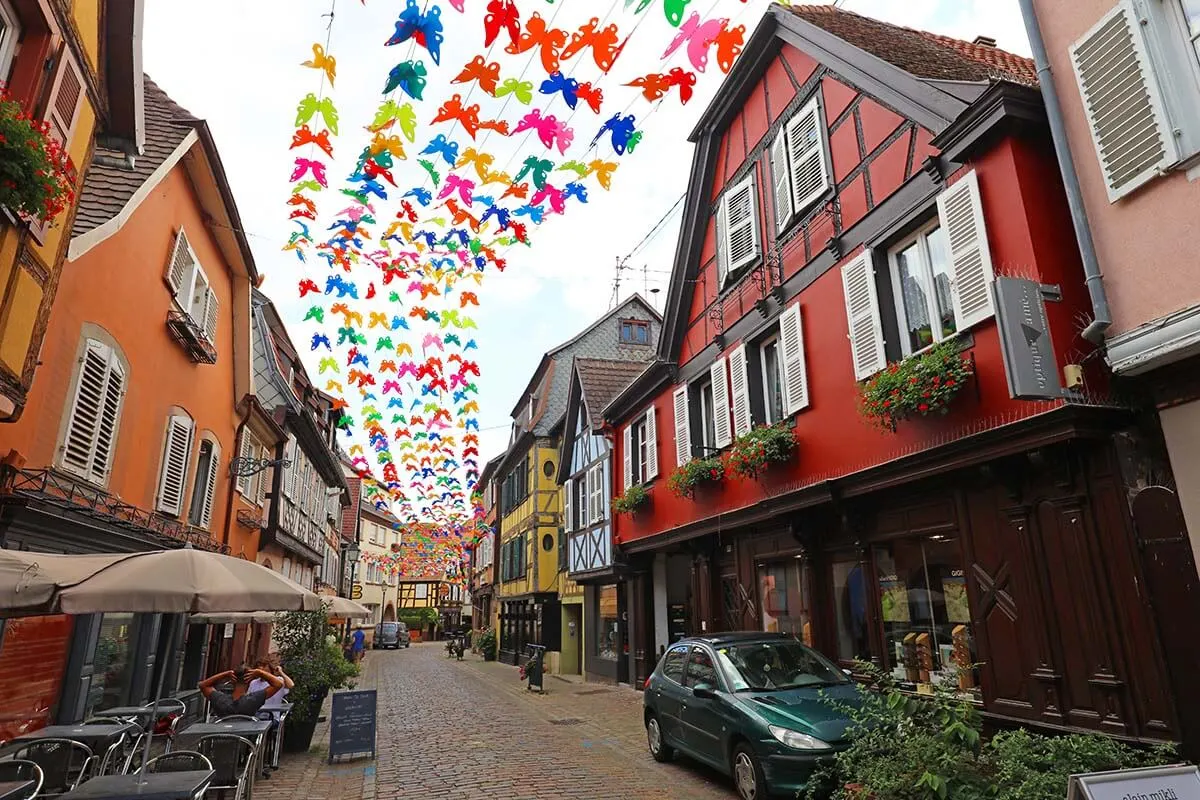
856, 187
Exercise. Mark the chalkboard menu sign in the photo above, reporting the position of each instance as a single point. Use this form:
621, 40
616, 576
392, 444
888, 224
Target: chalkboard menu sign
352, 724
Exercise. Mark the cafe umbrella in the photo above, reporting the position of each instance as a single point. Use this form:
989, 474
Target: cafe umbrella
340, 607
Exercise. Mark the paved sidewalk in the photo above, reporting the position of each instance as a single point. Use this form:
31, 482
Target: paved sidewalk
471, 730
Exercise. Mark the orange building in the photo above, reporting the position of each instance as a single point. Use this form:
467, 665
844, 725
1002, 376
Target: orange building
142, 400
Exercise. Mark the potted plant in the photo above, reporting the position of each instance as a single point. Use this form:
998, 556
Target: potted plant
697, 472
759, 447
633, 499
920, 385
37, 177
487, 644
317, 667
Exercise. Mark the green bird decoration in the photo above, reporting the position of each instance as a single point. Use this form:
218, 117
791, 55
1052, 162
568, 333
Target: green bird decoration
427, 165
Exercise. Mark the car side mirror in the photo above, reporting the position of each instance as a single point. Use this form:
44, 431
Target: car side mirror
848, 673
704, 691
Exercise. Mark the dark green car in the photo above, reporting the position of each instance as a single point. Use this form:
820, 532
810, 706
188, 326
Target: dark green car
753, 705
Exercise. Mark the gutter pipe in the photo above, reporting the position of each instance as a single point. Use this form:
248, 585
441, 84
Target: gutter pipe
1101, 314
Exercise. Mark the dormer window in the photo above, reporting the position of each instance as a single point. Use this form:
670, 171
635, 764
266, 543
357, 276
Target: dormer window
799, 164
635, 331
738, 241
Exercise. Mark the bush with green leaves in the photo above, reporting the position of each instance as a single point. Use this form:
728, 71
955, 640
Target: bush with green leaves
315, 665
417, 618
631, 500
486, 643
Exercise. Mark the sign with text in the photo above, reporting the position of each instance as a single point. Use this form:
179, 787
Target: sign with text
352, 724
1177, 782
356, 592
1029, 360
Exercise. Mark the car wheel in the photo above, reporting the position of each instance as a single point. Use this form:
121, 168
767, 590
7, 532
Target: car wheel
748, 776
657, 743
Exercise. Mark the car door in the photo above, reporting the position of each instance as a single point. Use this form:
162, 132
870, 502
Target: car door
705, 721
669, 694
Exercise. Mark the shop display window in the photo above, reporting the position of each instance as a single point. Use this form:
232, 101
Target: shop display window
608, 626
850, 599
110, 678
785, 599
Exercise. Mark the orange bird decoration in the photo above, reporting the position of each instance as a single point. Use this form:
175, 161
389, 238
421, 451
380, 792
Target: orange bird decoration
304, 135
322, 61
487, 75
550, 41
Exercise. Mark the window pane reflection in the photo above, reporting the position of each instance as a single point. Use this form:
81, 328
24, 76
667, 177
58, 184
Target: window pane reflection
608, 624
939, 262
110, 675
850, 595
914, 292
784, 597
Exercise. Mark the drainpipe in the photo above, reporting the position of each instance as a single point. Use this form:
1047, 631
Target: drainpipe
1102, 316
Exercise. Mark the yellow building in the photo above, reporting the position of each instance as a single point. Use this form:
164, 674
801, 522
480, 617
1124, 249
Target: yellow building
50, 59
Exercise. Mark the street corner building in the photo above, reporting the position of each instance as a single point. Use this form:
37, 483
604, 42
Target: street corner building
854, 434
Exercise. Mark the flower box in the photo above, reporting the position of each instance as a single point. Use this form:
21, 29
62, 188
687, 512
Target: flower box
37, 178
760, 448
633, 500
695, 474
921, 385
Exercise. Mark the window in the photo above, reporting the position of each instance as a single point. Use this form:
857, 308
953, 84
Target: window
580, 508
850, 600
784, 596
95, 413
738, 242
596, 487
921, 275
768, 356
111, 662
10, 33
253, 487
635, 331
708, 430
191, 288
799, 164
673, 661
640, 445
608, 624
515, 488
700, 669
177, 451
200, 513
1191, 17
683, 428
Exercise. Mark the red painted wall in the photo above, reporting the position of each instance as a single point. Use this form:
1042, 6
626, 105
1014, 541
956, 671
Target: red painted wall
1029, 235
33, 658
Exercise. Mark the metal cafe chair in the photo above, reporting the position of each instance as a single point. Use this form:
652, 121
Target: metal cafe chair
64, 763
232, 758
18, 770
178, 761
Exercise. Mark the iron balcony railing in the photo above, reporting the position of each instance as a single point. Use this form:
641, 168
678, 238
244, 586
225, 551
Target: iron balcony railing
191, 337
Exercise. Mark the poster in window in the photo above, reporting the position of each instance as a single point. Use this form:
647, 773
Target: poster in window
893, 599
954, 589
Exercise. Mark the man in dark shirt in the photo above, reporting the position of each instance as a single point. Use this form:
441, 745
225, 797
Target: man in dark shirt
239, 700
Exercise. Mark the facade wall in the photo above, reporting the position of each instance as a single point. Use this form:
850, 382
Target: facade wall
1181, 429
32, 662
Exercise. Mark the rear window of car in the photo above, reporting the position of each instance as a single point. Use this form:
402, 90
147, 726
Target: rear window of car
389, 627
400, 626
673, 664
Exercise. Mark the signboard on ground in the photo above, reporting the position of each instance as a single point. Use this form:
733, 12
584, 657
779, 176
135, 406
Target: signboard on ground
352, 724
1177, 782
1029, 360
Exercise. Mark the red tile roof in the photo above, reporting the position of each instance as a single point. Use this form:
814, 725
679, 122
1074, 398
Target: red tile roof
920, 53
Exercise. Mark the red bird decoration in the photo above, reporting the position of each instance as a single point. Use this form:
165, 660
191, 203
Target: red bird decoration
603, 41
467, 297
453, 109
592, 95
461, 215
500, 126
501, 14
304, 135
487, 75
655, 85
517, 190
308, 286
550, 40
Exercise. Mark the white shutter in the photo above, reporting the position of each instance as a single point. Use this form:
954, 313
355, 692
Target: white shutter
289, 472
722, 245
110, 414
1123, 102
740, 387
791, 361
181, 264
862, 315
210, 315
248, 451
597, 499
568, 505
720, 391
587, 497
741, 225
95, 410
683, 427
173, 477
961, 214
210, 486
627, 446
807, 157
782, 178
651, 445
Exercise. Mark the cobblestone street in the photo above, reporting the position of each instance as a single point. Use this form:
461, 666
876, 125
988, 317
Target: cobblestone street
471, 730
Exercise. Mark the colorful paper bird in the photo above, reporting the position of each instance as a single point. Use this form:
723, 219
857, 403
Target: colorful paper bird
310, 106
698, 36
409, 77
501, 14
425, 29
550, 42
323, 62
304, 135
487, 75
603, 41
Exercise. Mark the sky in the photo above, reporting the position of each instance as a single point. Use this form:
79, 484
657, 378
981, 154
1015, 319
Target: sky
236, 65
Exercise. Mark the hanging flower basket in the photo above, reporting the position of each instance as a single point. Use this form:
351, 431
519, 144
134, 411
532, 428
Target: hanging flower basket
684, 481
37, 177
754, 451
920, 385
634, 499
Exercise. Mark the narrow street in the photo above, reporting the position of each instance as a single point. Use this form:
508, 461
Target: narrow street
471, 730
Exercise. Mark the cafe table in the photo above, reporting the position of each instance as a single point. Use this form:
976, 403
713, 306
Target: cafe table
157, 786
10, 790
254, 730
97, 738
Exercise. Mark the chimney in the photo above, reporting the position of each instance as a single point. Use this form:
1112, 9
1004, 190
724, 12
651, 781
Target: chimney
984, 41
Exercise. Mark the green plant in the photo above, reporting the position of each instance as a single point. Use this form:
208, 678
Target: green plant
316, 666
37, 177
686, 477
487, 644
417, 618
634, 498
917, 386
755, 449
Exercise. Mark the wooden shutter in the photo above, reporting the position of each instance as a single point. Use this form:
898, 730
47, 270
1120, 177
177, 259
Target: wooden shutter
807, 156
596, 501
568, 505
862, 315
289, 473
627, 445
961, 214
210, 485
740, 389
683, 427
95, 412
1123, 102
172, 478
722, 245
720, 392
651, 445
741, 225
210, 315
66, 98
791, 361
247, 452
110, 415
180, 267
781, 176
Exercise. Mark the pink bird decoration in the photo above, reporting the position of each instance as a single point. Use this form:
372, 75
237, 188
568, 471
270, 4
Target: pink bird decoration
555, 196
304, 165
463, 186
699, 37
432, 339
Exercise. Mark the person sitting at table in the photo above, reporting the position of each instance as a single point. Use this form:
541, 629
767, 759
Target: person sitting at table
240, 699
274, 706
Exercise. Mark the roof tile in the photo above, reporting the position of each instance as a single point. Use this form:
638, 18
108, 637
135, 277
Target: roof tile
602, 380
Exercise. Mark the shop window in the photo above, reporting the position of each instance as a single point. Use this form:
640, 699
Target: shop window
111, 662
924, 613
784, 596
700, 669
608, 624
850, 598
673, 662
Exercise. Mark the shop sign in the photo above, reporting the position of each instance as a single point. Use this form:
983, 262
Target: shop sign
356, 592
1029, 360
1177, 782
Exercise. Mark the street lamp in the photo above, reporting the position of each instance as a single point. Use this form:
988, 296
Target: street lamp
350, 555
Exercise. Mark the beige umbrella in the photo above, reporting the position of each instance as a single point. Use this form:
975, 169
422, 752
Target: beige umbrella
29, 581
338, 607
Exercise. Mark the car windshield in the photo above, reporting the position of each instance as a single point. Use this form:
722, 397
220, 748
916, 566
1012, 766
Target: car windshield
390, 627
777, 665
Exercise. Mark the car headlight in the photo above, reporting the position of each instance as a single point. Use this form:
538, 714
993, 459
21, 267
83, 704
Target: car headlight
797, 740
